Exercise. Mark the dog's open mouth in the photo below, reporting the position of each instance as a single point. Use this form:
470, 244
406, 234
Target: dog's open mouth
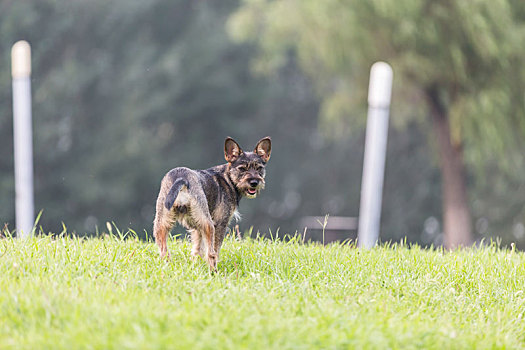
251, 191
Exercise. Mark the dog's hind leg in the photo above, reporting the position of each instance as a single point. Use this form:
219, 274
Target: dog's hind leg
160, 232
201, 222
203, 242
196, 240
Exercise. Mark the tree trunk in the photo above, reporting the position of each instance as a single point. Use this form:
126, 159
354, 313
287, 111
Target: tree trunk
456, 213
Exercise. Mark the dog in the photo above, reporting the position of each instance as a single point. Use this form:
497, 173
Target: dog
205, 201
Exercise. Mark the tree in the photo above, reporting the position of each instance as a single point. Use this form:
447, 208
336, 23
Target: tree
457, 62
123, 91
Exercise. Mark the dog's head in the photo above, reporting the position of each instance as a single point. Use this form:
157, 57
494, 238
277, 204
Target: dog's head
246, 169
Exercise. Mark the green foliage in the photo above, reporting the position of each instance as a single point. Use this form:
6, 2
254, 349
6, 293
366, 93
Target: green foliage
470, 51
125, 90
119, 99
114, 293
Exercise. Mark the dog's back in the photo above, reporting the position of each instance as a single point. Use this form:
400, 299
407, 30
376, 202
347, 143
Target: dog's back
190, 197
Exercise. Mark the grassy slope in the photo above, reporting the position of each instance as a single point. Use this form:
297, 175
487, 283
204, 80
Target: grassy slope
110, 293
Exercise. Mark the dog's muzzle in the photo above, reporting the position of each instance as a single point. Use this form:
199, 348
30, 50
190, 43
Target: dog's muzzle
252, 190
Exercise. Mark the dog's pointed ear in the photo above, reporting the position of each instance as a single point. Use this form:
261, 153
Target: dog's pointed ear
232, 150
264, 148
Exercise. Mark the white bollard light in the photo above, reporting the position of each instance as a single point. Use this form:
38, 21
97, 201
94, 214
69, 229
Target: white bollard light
379, 95
23, 137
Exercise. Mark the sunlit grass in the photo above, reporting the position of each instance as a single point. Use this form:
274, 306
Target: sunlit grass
110, 292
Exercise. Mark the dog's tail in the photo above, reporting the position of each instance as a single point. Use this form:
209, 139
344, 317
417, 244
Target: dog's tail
174, 192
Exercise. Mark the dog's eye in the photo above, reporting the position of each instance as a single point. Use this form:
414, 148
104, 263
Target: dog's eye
243, 168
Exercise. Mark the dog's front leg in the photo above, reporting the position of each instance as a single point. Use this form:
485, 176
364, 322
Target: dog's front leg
220, 232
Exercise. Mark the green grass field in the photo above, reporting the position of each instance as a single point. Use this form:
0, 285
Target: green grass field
110, 293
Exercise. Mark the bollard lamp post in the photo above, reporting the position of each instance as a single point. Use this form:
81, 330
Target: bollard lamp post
23, 139
379, 95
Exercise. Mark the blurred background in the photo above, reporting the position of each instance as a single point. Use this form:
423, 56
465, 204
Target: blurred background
125, 90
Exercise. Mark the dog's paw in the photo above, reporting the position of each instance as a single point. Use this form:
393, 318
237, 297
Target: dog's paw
166, 255
195, 254
212, 261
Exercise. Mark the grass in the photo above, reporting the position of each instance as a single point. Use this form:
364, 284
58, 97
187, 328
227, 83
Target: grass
114, 293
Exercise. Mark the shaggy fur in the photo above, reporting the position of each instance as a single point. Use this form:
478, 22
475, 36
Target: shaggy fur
204, 201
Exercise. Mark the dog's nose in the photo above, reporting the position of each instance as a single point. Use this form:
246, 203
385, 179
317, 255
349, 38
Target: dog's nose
254, 183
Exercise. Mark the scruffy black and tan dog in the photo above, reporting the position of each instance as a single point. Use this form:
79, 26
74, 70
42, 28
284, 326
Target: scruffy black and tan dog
204, 201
